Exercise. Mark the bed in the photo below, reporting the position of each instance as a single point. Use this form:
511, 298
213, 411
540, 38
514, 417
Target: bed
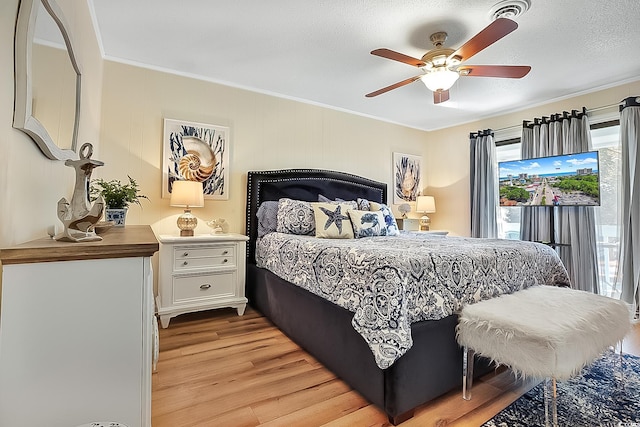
430, 367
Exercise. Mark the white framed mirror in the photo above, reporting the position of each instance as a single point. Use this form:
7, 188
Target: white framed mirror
47, 79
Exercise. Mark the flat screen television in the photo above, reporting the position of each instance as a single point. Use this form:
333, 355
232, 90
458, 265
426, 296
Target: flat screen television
565, 180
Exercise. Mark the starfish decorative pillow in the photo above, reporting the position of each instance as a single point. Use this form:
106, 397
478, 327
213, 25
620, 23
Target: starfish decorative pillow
332, 220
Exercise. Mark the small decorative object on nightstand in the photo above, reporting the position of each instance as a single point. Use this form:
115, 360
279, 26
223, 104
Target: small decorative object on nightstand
425, 204
200, 272
188, 194
404, 209
218, 226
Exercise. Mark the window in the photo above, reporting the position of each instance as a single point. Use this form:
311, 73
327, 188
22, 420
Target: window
508, 217
605, 139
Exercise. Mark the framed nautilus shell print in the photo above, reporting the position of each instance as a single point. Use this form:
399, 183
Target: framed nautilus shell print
406, 177
196, 152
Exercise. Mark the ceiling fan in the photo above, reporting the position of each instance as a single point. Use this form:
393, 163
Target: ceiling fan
442, 65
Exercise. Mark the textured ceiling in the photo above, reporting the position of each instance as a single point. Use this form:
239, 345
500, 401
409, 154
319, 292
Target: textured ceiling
317, 51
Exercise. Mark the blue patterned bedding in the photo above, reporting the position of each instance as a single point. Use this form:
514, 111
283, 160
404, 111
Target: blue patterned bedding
390, 282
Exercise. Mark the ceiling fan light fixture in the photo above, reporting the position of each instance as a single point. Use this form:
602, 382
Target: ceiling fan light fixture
440, 79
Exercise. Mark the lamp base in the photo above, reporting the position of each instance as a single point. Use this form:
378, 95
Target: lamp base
187, 223
424, 223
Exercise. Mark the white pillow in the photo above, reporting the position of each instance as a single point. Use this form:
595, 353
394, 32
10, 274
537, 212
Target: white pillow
332, 220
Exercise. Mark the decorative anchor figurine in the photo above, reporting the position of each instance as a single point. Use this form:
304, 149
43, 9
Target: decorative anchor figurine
79, 217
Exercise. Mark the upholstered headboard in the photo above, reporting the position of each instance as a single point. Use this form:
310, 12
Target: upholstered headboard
304, 184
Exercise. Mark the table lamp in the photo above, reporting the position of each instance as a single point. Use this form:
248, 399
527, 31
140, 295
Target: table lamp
188, 194
425, 204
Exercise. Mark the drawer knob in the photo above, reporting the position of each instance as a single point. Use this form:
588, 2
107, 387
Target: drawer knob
185, 254
185, 263
205, 286
225, 260
225, 252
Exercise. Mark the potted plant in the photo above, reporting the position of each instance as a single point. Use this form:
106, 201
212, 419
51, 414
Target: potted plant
117, 197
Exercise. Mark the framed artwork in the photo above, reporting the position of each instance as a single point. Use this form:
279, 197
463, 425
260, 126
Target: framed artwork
406, 177
196, 152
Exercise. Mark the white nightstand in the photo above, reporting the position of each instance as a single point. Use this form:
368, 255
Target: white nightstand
200, 272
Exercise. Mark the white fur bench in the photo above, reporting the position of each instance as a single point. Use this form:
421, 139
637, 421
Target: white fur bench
543, 331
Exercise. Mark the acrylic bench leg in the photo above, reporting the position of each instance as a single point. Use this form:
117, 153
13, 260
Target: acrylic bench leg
467, 372
621, 368
550, 403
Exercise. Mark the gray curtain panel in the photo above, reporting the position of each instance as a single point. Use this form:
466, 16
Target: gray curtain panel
534, 222
483, 185
630, 220
563, 134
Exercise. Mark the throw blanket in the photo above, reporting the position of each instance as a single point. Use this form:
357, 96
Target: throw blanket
391, 282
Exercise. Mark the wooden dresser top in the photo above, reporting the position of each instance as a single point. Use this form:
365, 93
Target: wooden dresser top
118, 242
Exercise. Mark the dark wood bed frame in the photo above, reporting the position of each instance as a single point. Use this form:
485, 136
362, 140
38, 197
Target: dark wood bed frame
432, 367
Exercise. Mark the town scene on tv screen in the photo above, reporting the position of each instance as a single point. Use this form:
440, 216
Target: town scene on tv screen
567, 180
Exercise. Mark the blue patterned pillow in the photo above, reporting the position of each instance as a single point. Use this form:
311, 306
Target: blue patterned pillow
267, 217
295, 217
363, 204
367, 223
389, 219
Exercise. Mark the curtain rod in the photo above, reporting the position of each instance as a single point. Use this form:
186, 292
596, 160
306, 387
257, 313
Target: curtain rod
589, 110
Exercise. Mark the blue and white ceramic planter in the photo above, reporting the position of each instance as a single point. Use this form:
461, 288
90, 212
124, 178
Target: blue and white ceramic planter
116, 215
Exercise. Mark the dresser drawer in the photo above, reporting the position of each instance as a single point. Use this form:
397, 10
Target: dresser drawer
206, 286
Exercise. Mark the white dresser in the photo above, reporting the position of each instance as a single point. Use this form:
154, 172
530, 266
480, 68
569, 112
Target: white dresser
200, 272
76, 331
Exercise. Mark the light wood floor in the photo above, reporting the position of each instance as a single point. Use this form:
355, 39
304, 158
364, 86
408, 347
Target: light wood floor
219, 369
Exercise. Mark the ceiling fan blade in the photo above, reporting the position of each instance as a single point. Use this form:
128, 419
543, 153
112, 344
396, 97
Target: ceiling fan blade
440, 96
491, 34
393, 86
397, 56
507, 71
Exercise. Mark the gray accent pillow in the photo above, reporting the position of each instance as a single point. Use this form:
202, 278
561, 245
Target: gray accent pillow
267, 217
295, 217
324, 199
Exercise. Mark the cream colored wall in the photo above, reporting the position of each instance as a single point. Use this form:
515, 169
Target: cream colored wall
30, 183
266, 133
448, 154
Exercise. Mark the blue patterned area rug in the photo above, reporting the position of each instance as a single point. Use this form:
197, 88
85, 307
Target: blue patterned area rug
596, 397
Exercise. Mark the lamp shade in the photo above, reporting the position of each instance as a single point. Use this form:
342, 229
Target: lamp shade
440, 78
426, 204
187, 193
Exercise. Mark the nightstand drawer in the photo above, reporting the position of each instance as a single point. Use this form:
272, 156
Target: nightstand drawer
208, 286
219, 261
182, 253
